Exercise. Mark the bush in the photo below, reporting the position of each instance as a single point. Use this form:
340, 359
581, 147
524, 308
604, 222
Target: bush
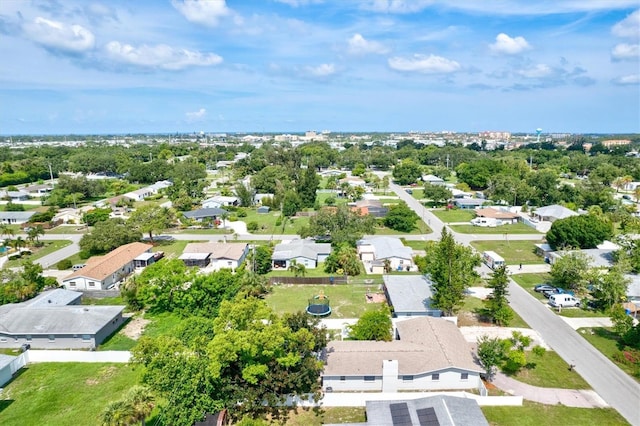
64, 264
242, 213
279, 221
84, 254
232, 218
538, 350
252, 226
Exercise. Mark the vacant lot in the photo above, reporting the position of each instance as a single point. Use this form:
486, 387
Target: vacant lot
550, 371
518, 228
346, 300
533, 414
454, 215
64, 394
513, 252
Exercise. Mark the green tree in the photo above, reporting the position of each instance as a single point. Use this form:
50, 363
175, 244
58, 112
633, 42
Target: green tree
610, 288
583, 231
401, 218
451, 267
151, 218
245, 194
291, 203
373, 325
344, 259
406, 172
298, 269
34, 233
108, 235
190, 176
497, 305
490, 353
571, 271
340, 223
437, 193
307, 185
96, 215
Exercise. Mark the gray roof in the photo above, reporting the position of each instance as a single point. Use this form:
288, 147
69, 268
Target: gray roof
470, 201
597, 258
194, 256
59, 320
144, 256
449, 410
555, 211
51, 298
202, 213
6, 360
388, 247
633, 289
16, 215
409, 293
300, 248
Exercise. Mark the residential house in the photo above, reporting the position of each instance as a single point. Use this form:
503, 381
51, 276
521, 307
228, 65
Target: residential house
104, 272
372, 207
39, 190
56, 320
220, 201
429, 354
304, 252
157, 187
214, 255
200, 215
139, 194
410, 295
553, 212
14, 196
69, 215
469, 203
377, 252
353, 181
15, 218
257, 199
433, 180
492, 217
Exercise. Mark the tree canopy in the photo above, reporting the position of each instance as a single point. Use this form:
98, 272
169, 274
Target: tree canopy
341, 224
582, 231
108, 235
373, 325
401, 218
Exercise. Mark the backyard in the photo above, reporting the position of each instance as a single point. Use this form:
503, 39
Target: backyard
513, 252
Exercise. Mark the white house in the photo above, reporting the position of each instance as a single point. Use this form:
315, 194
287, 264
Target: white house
139, 194
430, 354
103, 272
14, 195
15, 218
553, 212
304, 252
220, 201
375, 251
215, 256
433, 180
159, 186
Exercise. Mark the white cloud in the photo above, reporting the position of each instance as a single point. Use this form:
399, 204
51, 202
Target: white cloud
196, 115
296, 3
358, 45
627, 80
509, 45
322, 70
397, 6
625, 51
431, 64
59, 36
629, 27
159, 56
539, 71
204, 12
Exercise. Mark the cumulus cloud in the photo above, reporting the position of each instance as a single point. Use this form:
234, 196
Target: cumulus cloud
625, 51
627, 80
397, 6
296, 3
196, 115
629, 27
358, 45
321, 71
59, 36
204, 12
159, 56
509, 45
538, 71
431, 64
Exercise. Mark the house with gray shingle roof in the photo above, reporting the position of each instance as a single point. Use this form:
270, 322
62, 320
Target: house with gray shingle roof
410, 295
553, 212
15, 218
428, 354
374, 251
304, 252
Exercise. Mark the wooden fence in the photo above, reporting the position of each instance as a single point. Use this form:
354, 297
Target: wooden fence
308, 280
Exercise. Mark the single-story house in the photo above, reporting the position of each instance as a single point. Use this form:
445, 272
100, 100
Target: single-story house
304, 252
202, 214
263, 209
69, 215
14, 195
433, 180
259, 197
497, 213
429, 354
215, 255
410, 295
374, 251
139, 194
15, 218
220, 201
353, 181
159, 186
104, 272
553, 212
597, 258
372, 207
429, 411
39, 190
55, 320
469, 203
457, 193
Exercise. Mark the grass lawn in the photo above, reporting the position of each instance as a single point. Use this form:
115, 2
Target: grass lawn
550, 371
324, 415
517, 228
161, 324
513, 252
454, 215
607, 342
26, 207
346, 300
174, 248
70, 394
314, 272
421, 228
533, 414
415, 244
321, 197
418, 193
469, 315
267, 222
74, 229
38, 252
117, 342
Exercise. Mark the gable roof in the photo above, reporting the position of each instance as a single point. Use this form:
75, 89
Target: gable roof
232, 251
202, 213
448, 411
556, 211
100, 267
300, 248
388, 247
426, 344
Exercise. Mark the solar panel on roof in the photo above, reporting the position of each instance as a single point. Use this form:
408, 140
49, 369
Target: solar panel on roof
427, 417
400, 414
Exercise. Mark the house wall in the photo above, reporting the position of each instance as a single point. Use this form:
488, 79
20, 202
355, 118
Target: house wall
84, 283
308, 263
40, 341
322, 257
5, 374
449, 379
109, 328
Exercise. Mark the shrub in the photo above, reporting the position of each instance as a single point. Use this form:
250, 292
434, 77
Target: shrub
64, 264
84, 254
538, 350
252, 226
232, 218
279, 221
242, 212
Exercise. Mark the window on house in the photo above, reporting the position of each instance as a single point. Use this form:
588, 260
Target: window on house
464, 376
435, 376
28, 337
86, 337
369, 378
72, 284
92, 284
52, 338
407, 378
3, 339
343, 378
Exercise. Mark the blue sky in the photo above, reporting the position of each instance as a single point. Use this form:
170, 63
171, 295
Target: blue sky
122, 66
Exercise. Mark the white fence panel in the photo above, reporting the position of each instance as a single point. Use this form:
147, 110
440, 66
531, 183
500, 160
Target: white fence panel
34, 356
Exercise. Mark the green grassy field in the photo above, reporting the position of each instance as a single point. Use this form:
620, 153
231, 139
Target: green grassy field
513, 252
517, 228
321, 197
38, 252
533, 414
74, 229
473, 306
346, 300
454, 215
64, 394
325, 415
267, 222
310, 272
26, 207
607, 342
550, 371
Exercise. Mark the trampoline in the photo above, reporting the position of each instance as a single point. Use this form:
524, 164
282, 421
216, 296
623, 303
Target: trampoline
319, 306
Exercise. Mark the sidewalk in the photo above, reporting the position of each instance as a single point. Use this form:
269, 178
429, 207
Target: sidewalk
549, 396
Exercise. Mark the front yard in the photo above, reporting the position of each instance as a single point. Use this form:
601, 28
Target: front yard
513, 252
608, 343
454, 215
517, 228
533, 414
38, 252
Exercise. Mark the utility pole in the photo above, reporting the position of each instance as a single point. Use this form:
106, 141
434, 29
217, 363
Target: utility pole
51, 174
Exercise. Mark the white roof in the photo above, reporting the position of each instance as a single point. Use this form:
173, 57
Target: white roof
388, 247
556, 211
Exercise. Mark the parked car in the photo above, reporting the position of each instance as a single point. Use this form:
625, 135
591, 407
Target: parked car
558, 290
541, 288
563, 300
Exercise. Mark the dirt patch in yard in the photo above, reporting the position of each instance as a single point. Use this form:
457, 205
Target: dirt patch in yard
135, 328
375, 298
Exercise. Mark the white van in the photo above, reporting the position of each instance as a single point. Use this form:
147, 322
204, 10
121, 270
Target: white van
563, 300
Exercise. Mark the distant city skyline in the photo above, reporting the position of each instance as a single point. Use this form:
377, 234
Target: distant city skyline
271, 66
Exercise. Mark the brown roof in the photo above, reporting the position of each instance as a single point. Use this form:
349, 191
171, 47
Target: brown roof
426, 344
233, 251
496, 214
100, 267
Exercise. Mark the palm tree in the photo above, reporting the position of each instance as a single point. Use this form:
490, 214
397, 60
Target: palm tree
141, 401
298, 269
117, 413
6, 230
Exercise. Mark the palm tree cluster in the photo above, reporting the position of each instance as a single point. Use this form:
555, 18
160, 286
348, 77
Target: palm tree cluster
133, 408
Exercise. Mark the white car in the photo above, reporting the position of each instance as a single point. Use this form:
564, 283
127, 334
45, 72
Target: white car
563, 300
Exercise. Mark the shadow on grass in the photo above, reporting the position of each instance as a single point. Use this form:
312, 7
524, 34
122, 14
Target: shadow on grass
609, 335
